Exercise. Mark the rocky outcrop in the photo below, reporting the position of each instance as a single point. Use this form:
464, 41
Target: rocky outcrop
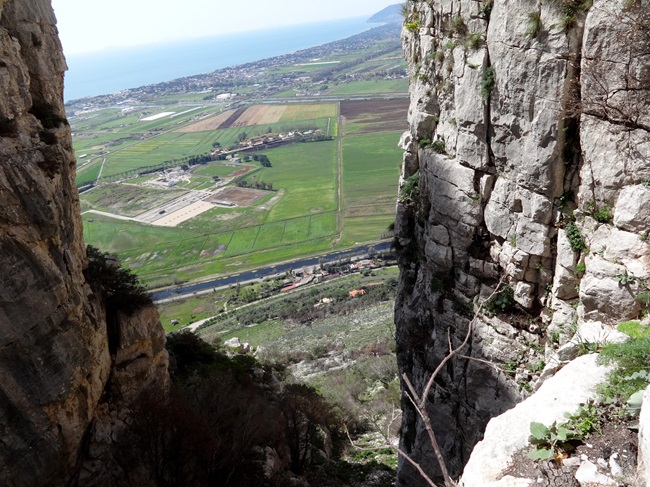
526, 164
508, 434
56, 368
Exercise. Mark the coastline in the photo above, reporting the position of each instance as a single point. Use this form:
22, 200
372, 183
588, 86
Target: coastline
110, 71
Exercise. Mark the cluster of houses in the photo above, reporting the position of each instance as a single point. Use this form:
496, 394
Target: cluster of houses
315, 274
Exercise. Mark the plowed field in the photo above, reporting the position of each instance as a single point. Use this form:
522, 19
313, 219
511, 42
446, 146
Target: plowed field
239, 196
260, 115
212, 123
371, 116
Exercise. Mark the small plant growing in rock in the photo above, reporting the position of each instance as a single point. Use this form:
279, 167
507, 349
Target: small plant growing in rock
534, 25
424, 143
439, 146
537, 367
473, 41
410, 190
487, 82
486, 9
510, 367
458, 25
581, 267
574, 235
413, 26
553, 442
503, 301
625, 279
631, 360
602, 214
585, 421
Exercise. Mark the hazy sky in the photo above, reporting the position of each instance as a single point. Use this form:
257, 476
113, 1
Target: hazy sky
86, 25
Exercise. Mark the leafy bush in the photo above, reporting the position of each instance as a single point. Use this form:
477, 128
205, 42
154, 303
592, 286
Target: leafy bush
503, 301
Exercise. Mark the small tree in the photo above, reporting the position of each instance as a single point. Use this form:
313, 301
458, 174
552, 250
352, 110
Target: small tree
305, 414
120, 287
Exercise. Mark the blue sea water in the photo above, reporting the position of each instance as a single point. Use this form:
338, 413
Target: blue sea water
112, 70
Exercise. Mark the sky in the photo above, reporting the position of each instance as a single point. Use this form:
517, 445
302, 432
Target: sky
86, 26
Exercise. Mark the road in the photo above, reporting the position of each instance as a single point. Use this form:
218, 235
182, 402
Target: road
264, 272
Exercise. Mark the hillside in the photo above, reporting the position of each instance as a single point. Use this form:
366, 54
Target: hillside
390, 14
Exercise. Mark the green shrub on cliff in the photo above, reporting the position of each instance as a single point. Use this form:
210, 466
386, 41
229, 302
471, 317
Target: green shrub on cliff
120, 287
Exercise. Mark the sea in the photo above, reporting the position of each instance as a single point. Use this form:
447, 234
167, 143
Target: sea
111, 70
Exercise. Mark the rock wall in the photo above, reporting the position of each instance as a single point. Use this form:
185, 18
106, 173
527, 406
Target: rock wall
526, 166
54, 356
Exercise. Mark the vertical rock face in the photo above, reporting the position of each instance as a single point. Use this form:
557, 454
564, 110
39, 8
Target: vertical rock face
54, 356
527, 163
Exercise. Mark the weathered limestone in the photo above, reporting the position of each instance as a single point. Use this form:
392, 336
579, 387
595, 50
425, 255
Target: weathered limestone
533, 152
54, 354
508, 434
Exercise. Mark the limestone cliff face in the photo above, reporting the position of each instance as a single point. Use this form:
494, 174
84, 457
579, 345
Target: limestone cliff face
527, 159
55, 363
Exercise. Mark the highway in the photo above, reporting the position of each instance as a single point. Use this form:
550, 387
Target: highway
265, 272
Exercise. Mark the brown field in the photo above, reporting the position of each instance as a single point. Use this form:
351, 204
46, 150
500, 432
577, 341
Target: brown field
212, 123
383, 205
239, 196
260, 115
368, 116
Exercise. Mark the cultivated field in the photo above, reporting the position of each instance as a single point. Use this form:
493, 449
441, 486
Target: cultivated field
263, 115
238, 196
212, 123
371, 116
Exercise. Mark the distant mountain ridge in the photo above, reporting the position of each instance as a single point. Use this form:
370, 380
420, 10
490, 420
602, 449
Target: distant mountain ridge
389, 15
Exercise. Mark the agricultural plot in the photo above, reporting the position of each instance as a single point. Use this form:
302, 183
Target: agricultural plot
267, 115
239, 196
212, 123
370, 173
370, 86
307, 174
126, 199
221, 170
371, 116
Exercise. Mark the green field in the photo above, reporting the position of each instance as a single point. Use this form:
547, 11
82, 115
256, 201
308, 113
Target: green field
371, 166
